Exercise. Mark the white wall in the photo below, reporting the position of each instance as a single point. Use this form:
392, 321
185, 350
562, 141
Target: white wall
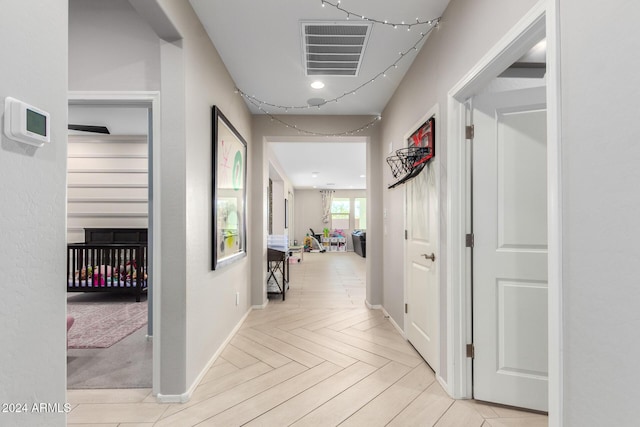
116, 194
210, 310
281, 190
191, 78
308, 213
33, 40
278, 196
111, 47
95, 26
107, 182
462, 38
600, 155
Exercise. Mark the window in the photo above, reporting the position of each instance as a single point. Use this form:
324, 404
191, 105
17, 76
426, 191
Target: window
360, 213
340, 214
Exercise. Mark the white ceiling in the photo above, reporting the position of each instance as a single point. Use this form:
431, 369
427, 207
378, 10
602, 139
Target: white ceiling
261, 44
337, 165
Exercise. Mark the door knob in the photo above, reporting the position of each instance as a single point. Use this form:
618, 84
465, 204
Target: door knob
432, 257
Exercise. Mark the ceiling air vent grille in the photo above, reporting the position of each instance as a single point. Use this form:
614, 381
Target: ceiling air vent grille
332, 49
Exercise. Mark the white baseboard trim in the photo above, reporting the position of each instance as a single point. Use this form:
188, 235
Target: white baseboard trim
186, 396
261, 307
371, 306
444, 385
173, 398
393, 322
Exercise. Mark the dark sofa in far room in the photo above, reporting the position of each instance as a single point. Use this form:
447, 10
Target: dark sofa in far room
359, 242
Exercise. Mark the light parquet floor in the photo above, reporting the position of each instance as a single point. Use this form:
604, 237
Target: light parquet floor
320, 358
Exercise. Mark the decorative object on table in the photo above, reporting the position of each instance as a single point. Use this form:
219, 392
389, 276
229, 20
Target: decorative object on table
408, 162
229, 162
296, 249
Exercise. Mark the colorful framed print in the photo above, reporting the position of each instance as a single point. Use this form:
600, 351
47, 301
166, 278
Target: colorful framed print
229, 175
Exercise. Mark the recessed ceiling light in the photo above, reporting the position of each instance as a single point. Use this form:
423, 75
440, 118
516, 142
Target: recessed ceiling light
363, 176
314, 174
317, 84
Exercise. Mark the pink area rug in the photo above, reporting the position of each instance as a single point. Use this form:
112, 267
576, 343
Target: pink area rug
102, 320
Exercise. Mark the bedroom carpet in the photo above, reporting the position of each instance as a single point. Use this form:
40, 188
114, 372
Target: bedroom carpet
103, 319
125, 364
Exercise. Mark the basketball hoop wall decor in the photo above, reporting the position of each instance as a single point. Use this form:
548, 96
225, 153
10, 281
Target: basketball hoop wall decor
407, 163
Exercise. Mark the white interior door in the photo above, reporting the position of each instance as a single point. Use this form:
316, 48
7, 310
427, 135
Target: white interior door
422, 310
510, 248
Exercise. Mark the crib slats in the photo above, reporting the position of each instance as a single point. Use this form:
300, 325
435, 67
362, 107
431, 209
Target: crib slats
106, 267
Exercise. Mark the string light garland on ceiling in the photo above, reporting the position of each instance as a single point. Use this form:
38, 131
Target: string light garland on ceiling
313, 133
261, 104
382, 74
378, 21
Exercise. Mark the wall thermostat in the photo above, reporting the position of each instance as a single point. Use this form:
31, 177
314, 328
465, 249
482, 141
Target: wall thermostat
26, 123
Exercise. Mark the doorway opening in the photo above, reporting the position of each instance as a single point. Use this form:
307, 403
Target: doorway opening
317, 198
508, 185
111, 201
523, 37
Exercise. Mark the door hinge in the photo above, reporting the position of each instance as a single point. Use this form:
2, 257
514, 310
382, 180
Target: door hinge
469, 131
471, 351
406, 234
406, 308
469, 240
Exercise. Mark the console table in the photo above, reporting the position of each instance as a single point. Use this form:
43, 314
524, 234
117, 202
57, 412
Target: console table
278, 261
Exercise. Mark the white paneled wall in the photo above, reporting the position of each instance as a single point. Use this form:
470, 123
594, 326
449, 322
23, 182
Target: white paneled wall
107, 183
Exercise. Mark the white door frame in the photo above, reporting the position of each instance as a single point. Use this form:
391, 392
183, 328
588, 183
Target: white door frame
435, 164
541, 19
141, 99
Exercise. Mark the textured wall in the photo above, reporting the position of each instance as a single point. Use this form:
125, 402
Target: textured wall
601, 257
106, 192
33, 40
111, 47
209, 296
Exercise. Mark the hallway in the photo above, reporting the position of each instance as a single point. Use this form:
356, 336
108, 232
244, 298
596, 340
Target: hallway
320, 358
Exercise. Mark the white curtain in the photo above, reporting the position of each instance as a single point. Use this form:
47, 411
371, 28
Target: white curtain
327, 198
